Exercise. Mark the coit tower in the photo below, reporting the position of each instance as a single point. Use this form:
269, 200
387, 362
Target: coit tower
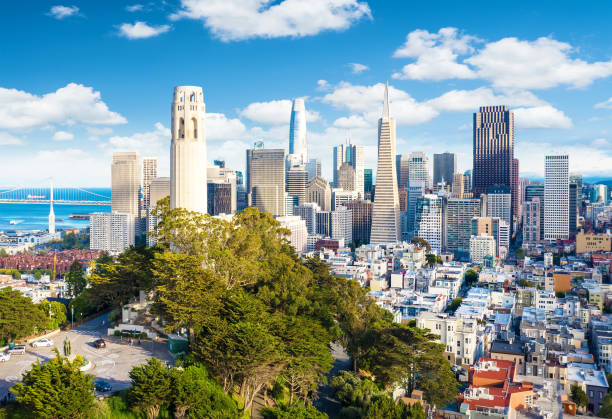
188, 150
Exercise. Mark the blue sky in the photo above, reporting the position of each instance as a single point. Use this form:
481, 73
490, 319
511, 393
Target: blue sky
82, 79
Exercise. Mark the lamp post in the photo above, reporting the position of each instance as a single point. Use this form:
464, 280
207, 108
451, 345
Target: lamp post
72, 310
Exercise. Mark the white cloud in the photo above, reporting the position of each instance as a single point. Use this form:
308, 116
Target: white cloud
600, 142
367, 101
470, 100
274, 112
63, 136
141, 30
99, 130
353, 121
220, 127
323, 85
436, 55
134, 7
541, 117
61, 12
67, 105
539, 64
235, 20
606, 104
357, 68
8, 139
507, 63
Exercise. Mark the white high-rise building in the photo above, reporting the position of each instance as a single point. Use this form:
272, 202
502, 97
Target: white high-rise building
342, 224
297, 227
386, 223
429, 221
298, 148
482, 246
188, 150
111, 232
499, 203
149, 172
125, 183
354, 155
308, 213
556, 197
159, 188
266, 179
341, 197
418, 169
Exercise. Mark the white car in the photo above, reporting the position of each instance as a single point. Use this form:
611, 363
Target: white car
4, 356
42, 342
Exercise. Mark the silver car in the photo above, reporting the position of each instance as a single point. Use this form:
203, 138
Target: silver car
4, 356
41, 343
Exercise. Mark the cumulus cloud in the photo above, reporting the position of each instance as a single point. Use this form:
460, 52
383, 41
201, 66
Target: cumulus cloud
141, 30
367, 101
541, 117
274, 112
63, 136
220, 127
134, 7
353, 121
61, 12
436, 55
235, 20
357, 68
507, 63
67, 105
606, 104
323, 85
8, 139
470, 100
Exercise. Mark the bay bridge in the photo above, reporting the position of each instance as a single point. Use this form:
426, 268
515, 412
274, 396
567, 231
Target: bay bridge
59, 196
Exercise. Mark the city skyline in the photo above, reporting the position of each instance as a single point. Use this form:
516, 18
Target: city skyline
98, 114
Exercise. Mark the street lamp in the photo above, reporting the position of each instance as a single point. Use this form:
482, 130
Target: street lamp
72, 310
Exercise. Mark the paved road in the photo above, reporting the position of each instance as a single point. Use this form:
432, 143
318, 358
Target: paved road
326, 401
112, 363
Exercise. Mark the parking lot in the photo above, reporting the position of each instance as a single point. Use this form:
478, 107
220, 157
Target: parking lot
112, 363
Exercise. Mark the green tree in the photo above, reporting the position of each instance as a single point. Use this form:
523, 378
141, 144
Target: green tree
151, 388
471, 277
76, 279
410, 357
295, 411
606, 406
351, 390
578, 396
195, 394
3, 253
56, 389
421, 243
433, 260
609, 379
519, 253
19, 317
454, 305
55, 312
383, 406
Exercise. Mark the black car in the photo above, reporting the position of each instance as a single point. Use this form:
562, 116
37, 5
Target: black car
102, 386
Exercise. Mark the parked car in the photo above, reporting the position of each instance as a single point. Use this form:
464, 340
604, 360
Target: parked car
102, 386
100, 343
17, 350
41, 343
4, 356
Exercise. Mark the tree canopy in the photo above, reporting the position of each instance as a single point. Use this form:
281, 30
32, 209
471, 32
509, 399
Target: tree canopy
19, 317
76, 279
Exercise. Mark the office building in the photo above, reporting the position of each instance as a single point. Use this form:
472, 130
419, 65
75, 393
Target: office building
319, 191
298, 148
125, 183
313, 167
481, 247
516, 195
537, 191
266, 179
308, 213
386, 224
573, 211
495, 227
342, 224
346, 177
429, 221
222, 191
188, 150
445, 166
111, 232
403, 198
401, 167
531, 221
324, 224
341, 197
556, 197
352, 154
297, 179
361, 220
468, 174
460, 188
367, 180
493, 149
600, 193
298, 231
418, 169
499, 203
459, 214
159, 188
149, 172
415, 191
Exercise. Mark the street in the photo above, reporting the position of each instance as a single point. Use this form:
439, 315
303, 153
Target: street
112, 363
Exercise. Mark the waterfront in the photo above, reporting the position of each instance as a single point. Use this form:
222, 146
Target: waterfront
36, 216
